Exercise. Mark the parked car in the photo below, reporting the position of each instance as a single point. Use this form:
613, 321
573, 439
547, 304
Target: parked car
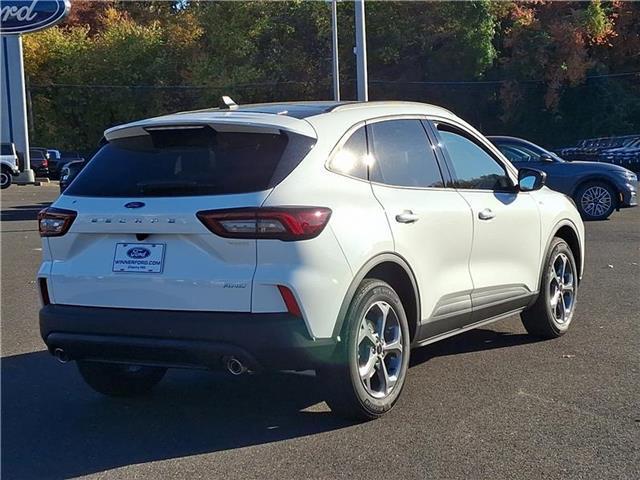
67, 157
327, 236
627, 156
8, 164
39, 158
69, 172
597, 188
592, 149
55, 164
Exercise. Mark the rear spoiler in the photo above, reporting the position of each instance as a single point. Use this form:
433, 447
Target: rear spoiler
218, 120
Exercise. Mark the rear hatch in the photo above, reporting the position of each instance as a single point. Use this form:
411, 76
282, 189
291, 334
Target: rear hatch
136, 241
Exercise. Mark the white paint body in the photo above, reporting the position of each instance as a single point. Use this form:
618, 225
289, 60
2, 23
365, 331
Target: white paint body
449, 249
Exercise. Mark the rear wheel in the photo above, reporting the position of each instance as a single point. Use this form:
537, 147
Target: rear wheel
595, 201
5, 178
119, 380
553, 311
369, 371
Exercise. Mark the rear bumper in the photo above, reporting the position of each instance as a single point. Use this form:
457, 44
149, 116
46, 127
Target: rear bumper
192, 339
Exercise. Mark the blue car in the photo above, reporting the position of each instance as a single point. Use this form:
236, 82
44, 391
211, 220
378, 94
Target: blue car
596, 188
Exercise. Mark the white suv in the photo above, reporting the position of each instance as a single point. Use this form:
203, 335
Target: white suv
326, 236
8, 164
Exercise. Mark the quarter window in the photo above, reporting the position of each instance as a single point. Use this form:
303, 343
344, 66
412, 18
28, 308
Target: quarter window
402, 155
351, 158
473, 167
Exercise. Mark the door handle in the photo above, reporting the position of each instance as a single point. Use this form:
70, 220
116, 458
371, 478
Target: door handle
407, 217
486, 214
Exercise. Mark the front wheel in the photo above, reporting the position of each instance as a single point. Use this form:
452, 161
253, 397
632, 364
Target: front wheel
369, 371
119, 380
553, 311
595, 201
5, 178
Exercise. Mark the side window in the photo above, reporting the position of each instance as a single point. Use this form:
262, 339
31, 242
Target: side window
352, 156
402, 155
514, 154
473, 167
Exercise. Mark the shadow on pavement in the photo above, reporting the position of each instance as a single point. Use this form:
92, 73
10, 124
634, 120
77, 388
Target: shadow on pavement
53, 426
21, 213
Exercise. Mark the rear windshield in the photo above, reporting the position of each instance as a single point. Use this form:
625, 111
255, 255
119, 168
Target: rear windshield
191, 161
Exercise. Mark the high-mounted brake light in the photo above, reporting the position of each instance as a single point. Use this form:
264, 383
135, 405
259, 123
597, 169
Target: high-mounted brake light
280, 223
55, 222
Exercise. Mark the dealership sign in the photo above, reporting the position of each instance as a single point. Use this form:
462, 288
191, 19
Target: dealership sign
23, 16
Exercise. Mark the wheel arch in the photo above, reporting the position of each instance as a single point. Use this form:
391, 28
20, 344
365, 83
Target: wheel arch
393, 269
596, 178
566, 230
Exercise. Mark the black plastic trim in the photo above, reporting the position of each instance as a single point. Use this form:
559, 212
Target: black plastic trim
274, 341
362, 273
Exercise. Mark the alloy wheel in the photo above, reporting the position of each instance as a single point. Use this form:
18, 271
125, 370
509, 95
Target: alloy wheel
380, 349
4, 178
596, 201
561, 289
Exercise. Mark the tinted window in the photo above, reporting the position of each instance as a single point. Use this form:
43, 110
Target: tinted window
194, 161
516, 154
351, 158
473, 167
6, 149
402, 155
37, 154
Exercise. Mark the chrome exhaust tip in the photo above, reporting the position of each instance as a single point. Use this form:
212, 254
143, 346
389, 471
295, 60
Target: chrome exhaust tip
61, 355
234, 366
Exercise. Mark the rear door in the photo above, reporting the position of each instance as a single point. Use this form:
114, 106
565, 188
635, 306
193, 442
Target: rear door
136, 241
431, 222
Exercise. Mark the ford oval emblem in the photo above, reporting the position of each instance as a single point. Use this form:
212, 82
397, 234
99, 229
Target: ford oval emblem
23, 16
138, 252
134, 205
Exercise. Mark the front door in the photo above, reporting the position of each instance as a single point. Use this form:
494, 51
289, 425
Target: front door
505, 256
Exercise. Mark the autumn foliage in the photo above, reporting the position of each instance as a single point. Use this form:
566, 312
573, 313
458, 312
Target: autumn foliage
548, 70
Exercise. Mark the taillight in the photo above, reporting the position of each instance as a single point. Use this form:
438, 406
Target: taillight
281, 223
55, 222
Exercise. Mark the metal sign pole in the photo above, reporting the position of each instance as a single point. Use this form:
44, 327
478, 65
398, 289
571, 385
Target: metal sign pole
361, 52
334, 37
14, 107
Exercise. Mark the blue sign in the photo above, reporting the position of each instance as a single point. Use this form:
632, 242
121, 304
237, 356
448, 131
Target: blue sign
24, 16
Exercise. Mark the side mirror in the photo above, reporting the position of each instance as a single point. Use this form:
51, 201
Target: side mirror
546, 158
530, 179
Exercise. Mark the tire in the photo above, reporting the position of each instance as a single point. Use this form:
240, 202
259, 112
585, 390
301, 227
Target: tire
119, 380
550, 316
5, 178
595, 200
349, 395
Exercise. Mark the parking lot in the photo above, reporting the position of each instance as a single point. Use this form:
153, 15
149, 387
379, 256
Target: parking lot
491, 403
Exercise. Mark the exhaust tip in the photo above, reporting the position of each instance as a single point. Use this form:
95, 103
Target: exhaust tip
234, 366
61, 355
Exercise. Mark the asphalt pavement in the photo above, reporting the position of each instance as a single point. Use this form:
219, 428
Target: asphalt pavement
492, 403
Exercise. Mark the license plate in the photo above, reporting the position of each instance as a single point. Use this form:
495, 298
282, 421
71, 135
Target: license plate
139, 257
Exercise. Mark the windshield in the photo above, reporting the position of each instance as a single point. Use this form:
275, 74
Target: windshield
518, 152
191, 161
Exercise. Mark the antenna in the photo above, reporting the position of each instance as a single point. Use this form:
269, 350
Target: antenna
227, 103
